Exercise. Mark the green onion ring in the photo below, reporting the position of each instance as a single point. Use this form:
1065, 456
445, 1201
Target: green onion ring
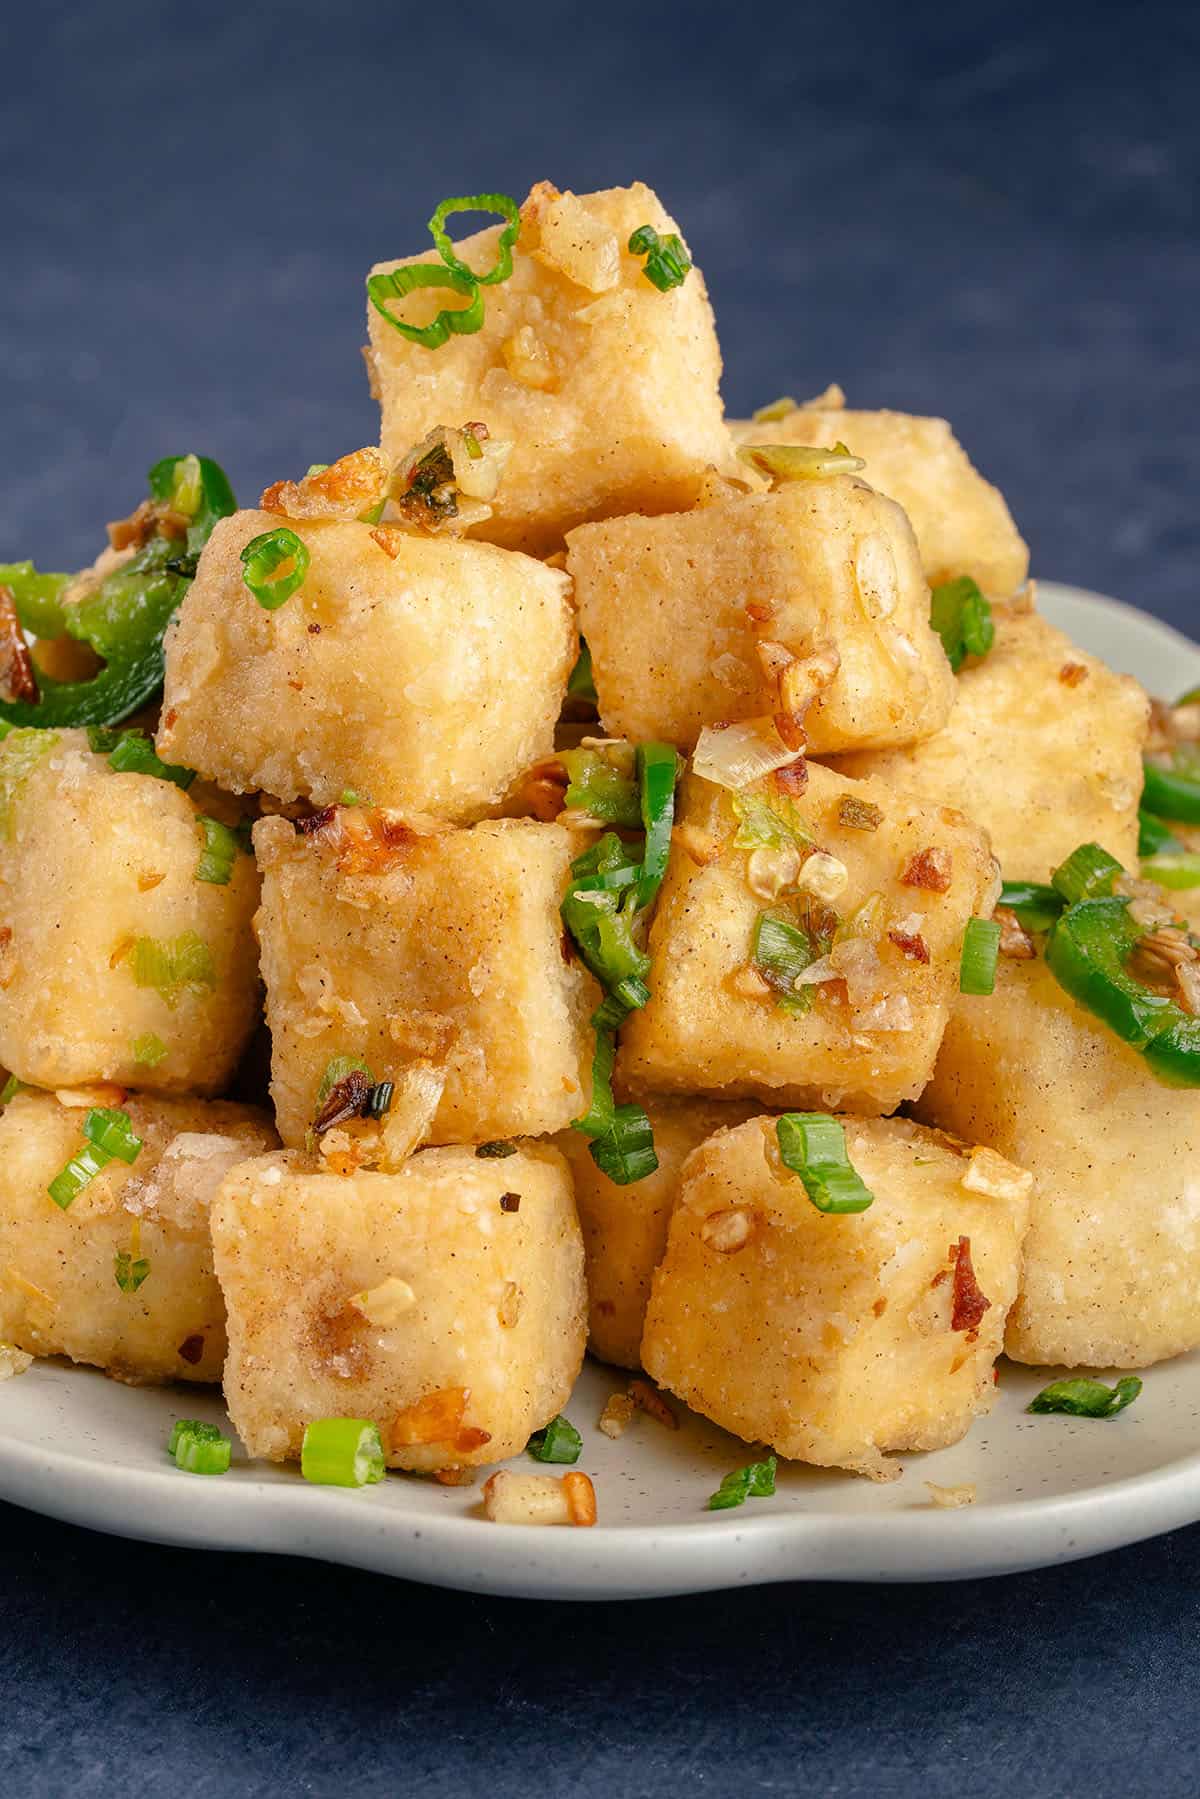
500, 203
396, 283
263, 555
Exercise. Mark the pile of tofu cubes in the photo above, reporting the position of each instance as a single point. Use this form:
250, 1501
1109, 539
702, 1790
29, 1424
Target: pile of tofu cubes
442, 1271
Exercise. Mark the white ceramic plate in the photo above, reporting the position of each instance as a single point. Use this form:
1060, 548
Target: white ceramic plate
77, 1446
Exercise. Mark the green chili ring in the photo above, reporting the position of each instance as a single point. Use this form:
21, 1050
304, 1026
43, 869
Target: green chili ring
1169, 794
268, 552
500, 203
395, 284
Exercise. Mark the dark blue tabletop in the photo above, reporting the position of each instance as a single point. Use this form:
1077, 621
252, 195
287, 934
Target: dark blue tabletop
986, 211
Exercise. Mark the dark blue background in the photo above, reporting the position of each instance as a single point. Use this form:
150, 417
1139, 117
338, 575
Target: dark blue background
987, 211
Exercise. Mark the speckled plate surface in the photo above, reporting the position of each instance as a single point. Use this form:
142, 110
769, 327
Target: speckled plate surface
77, 1446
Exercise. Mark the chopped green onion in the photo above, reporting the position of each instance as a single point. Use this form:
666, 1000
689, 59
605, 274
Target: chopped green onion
800, 462
1083, 1397
962, 618
1154, 836
767, 824
1035, 905
581, 684
342, 1452
625, 1152
20, 752
813, 1145
502, 1146
336, 1070
379, 1100
775, 409
1087, 873
132, 753
128, 1271
70, 1181
219, 853
396, 284
348, 797
1172, 790
559, 1442
11, 1088
780, 951
110, 1130
1190, 698
1179, 871
173, 966
150, 1050
199, 1448
267, 553
500, 203
667, 263
755, 1481
980, 948
658, 771
600, 788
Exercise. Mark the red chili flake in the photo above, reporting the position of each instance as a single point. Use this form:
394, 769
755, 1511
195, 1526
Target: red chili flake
308, 827
314, 630
930, 869
970, 1301
912, 943
191, 1349
790, 726
347, 1098
17, 679
1072, 673
510, 1202
792, 778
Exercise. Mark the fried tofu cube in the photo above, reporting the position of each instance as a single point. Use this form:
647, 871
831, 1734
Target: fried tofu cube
837, 1339
445, 1301
625, 1228
1043, 748
123, 1278
443, 950
117, 963
810, 597
870, 891
1112, 1260
607, 389
429, 679
961, 521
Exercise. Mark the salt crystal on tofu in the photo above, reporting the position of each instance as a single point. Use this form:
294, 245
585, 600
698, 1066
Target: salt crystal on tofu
836, 1338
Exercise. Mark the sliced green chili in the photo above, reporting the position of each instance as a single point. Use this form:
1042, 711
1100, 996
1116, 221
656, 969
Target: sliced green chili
501, 203
266, 553
396, 284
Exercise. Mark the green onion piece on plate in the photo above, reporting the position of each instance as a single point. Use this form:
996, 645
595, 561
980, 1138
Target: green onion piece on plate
1178, 871
780, 951
600, 789
70, 1181
267, 553
800, 462
667, 263
379, 1100
1035, 905
813, 1145
220, 852
658, 771
132, 753
342, 1452
962, 618
199, 1448
775, 409
1153, 835
149, 1050
1082, 1397
501, 203
10, 1089
396, 284
1087, 873
173, 966
755, 1481
559, 1442
129, 1271
980, 948
625, 1152
582, 683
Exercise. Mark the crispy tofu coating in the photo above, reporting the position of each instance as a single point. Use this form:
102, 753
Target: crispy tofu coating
625, 1228
880, 885
1112, 1260
838, 1338
1043, 748
443, 950
962, 523
706, 616
606, 388
116, 962
427, 678
124, 1278
425, 1300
